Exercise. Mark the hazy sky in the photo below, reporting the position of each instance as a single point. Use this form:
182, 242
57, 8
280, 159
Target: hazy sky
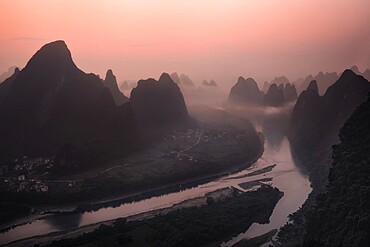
206, 39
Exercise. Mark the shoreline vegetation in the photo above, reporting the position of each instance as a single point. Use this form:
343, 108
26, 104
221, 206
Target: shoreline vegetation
216, 195
93, 205
188, 225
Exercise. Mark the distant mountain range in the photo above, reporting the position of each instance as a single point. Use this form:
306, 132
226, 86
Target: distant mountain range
323, 81
211, 83
246, 91
182, 80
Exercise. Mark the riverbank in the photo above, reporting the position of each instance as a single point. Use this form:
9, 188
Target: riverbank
183, 159
112, 201
217, 195
285, 176
207, 224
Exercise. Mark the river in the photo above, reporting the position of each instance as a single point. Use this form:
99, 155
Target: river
286, 176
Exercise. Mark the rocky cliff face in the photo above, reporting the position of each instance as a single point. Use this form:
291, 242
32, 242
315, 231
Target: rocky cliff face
342, 216
316, 120
110, 82
51, 102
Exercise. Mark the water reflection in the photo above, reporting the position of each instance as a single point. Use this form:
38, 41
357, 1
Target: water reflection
63, 222
289, 179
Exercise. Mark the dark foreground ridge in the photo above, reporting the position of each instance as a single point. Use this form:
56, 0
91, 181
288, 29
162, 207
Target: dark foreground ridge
342, 216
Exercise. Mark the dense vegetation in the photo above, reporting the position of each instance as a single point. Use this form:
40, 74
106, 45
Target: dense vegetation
196, 226
257, 241
316, 121
11, 211
342, 216
151, 172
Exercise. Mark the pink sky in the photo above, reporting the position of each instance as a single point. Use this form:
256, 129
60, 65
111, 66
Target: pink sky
206, 39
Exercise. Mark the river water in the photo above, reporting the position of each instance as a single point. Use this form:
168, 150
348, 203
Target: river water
286, 176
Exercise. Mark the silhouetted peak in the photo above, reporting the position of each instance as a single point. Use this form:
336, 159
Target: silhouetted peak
186, 81
16, 72
347, 76
158, 102
109, 76
290, 92
111, 83
355, 70
245, 91
309, 78
273, 87
240, 79
320, 74
109, 73
249, 82
366, 74
165, 78
54, 55
211, 83
313, 87
280, 80
58, 49
175, 77
274, 96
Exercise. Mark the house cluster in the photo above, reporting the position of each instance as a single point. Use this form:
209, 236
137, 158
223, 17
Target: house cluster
28, 165
183, 157
24, 173
219, 134
184, 135
25, 185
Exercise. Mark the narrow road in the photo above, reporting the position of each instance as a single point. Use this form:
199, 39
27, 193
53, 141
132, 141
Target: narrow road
196, 143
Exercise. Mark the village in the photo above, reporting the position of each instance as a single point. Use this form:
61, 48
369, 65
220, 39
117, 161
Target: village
189, 146
186, 145
26, 174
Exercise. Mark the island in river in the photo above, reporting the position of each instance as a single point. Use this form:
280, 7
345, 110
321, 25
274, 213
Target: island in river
194, 226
